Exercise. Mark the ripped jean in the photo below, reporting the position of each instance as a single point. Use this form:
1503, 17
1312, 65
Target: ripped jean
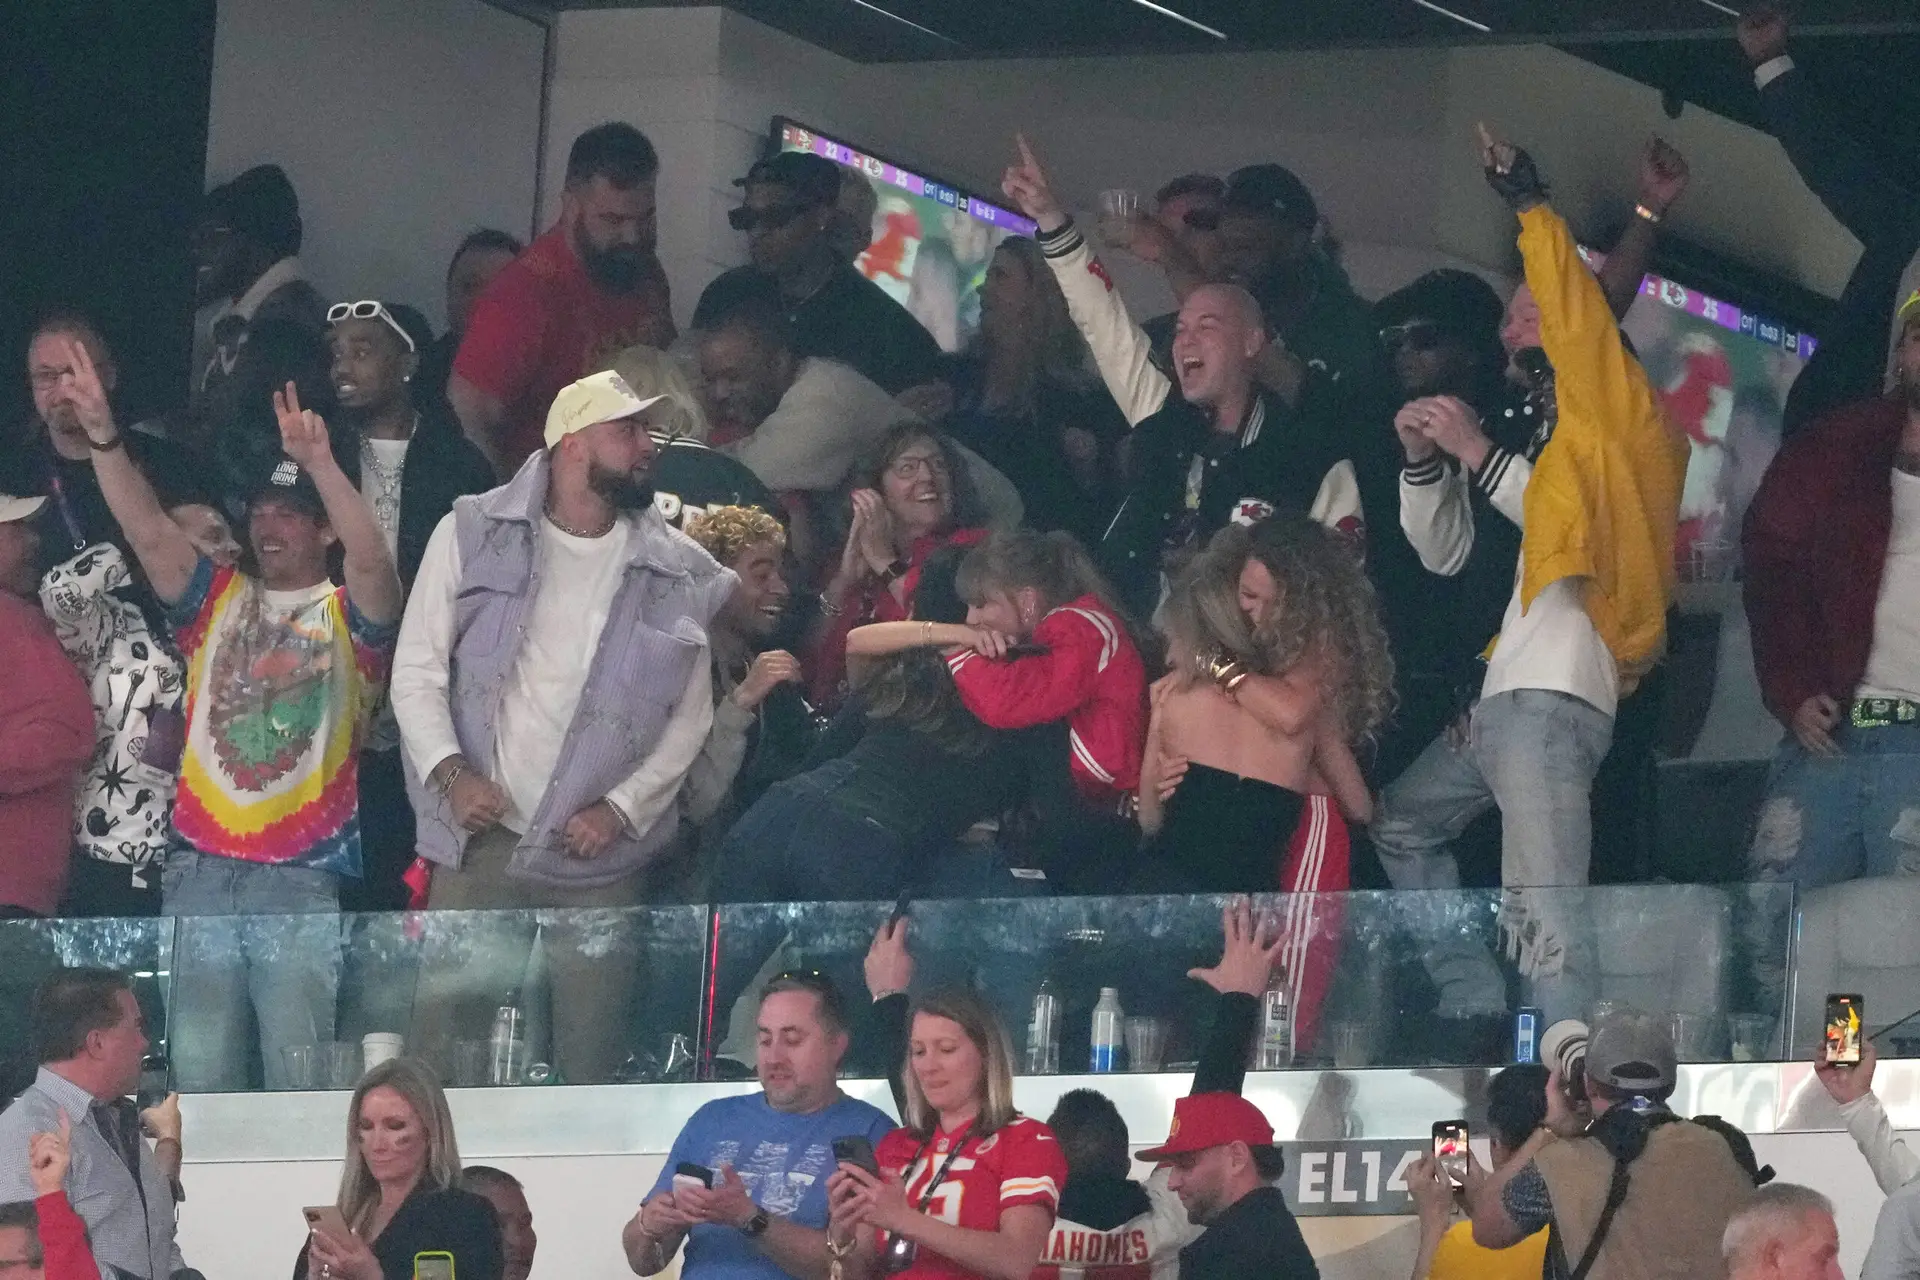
1827, 819
1533, 752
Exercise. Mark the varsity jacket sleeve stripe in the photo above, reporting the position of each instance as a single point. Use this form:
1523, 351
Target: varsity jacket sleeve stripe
1436, 515
1503, 479
1337, 504
1121, 349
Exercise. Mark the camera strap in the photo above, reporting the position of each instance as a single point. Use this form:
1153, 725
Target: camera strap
1625, 1135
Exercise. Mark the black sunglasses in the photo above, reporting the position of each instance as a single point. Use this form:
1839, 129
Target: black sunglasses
745, 218
1421, 335
1201, 219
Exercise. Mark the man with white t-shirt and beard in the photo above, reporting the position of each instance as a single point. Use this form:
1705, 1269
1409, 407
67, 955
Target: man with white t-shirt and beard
551, 684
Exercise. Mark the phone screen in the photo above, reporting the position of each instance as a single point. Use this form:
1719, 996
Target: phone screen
856, 1150
1450, 1149
1844, 1028
432, 1266
688, 1174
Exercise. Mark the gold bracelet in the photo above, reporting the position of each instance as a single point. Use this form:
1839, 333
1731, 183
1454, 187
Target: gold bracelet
1647, 212
929, 630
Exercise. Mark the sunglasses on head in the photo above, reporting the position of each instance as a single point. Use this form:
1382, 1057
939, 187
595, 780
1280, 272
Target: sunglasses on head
1421, 335
369, 309
747, 218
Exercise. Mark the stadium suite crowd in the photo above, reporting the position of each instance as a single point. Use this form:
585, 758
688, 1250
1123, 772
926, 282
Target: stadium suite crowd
565, 608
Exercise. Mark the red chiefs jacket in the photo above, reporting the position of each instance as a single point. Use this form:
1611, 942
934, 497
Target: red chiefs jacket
1091, 676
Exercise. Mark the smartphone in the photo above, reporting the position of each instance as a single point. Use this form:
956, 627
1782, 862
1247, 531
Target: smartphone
327, 1218
1450, 1149
1845, 1015
902, 906
433, 1266
687, 1175
857, 1150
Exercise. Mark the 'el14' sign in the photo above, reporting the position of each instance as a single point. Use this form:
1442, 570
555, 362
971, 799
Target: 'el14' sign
1327, 1179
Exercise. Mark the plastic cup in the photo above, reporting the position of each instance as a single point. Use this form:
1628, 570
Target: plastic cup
300, 1064
343, 1064
1119, 202
1352, 1044
1696, 1037
377, 1047
1146, 1043
469, 1063
1750, 1037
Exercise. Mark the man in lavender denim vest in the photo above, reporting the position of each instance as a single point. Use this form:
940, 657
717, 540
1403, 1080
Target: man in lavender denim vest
551, 689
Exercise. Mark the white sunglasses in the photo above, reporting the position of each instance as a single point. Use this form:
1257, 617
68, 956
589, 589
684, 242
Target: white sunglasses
369, 309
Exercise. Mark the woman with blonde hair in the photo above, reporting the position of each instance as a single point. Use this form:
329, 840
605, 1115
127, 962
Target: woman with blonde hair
399, 1193
968, 1187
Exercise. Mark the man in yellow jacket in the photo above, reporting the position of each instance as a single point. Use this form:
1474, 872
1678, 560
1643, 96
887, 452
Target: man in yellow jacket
1596, 494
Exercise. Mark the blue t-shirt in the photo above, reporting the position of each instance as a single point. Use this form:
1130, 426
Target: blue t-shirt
784, 1160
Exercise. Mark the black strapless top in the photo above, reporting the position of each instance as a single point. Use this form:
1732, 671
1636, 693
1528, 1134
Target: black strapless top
1223, 833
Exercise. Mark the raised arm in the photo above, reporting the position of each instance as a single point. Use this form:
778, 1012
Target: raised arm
373, 584
1248, 953
1120, 347
164, 551
1663, 178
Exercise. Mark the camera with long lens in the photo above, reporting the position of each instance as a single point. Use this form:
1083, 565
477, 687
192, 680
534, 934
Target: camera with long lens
1564, 1049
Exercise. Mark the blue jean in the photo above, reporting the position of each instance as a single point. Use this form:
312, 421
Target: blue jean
1827, 819
1534, 753
798, 844
255, 940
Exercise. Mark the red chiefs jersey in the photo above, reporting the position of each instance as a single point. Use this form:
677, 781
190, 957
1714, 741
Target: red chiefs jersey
1020, 1164
1091, 676
1144, 1247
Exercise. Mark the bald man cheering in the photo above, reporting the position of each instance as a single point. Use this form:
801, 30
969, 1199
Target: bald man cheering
552, 690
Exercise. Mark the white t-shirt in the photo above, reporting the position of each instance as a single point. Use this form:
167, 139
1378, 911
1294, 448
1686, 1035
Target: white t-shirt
1553, 645
382, 463
1893, 664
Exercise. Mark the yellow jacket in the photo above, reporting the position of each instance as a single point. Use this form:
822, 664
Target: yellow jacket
1604, 498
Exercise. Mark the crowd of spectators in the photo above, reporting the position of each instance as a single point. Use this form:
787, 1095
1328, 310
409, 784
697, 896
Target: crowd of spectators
565, 609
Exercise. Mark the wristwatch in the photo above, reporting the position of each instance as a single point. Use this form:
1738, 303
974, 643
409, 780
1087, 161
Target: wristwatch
757, 1225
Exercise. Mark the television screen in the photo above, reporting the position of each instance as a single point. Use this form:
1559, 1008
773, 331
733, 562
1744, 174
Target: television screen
1722, 372
929, 243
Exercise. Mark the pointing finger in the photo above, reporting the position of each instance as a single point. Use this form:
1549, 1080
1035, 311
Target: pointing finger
1026, 152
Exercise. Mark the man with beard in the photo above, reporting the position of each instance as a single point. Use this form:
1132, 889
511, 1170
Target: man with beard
1832, 550
589, 287
552, 690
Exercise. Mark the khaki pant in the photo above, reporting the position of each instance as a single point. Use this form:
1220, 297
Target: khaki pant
473, 964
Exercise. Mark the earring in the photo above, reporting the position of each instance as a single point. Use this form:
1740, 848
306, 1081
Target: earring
406, 377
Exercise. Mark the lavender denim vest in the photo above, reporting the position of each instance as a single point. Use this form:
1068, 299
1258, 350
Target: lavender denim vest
653, 637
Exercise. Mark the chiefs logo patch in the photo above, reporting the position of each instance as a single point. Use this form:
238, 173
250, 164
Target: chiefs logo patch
1249, 511
1098, 270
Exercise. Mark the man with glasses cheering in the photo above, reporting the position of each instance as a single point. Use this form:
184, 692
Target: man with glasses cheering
788, 215
770, 1152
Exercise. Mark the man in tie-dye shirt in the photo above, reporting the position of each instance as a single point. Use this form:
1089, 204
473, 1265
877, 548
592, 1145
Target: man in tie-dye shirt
284, 672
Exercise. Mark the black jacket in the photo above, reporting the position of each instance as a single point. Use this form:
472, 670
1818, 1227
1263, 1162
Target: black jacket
1279, 462
442, 465
1256, 1238
451, 1221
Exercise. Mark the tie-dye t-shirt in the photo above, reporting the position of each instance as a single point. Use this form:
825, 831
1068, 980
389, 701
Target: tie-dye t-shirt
281, 687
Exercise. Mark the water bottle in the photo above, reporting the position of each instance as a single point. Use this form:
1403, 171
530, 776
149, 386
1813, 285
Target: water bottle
1276, 1025
1043, 1032
507, 1047
1107, 1023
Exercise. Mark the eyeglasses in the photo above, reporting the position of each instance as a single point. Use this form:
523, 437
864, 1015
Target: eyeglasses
1201, 219
747, 218
10, 1265
369, 309
1421, 335
909, 465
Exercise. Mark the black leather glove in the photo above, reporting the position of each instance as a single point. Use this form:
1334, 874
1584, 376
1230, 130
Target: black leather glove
1515, 179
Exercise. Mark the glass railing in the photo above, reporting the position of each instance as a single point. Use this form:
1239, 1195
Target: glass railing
1382, 979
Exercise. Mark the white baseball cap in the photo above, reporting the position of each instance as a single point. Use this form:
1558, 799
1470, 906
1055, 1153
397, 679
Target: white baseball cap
596, 398
12, 508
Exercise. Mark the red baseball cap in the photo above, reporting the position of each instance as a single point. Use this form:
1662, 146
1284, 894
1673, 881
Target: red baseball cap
1203, 1120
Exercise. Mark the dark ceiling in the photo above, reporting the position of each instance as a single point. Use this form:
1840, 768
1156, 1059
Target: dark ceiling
1863, 51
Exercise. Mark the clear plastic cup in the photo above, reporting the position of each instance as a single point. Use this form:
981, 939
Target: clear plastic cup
342, 1063
1146, 1043
1119, 202
300, 1063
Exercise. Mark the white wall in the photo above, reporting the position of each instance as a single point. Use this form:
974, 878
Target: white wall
403, 124
1384, 137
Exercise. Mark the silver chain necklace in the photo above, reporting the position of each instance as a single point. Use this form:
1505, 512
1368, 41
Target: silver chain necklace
386, 500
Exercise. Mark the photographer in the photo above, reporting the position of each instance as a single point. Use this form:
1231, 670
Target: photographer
1635, 1193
